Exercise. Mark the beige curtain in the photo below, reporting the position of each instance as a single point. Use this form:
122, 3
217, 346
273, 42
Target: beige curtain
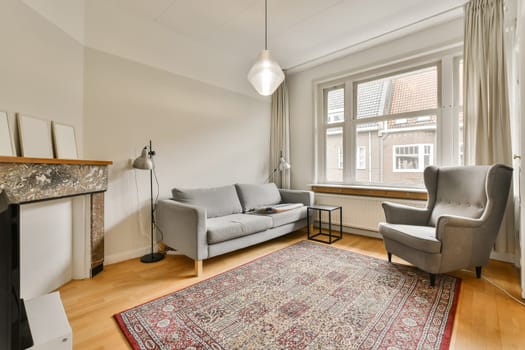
486, 123
280, 136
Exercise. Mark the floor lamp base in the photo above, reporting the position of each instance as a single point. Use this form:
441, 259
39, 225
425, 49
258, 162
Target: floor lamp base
152, 257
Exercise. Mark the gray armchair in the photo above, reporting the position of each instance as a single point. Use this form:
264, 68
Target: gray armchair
459, 225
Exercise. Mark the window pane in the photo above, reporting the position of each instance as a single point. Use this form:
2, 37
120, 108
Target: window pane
361, 157
335, 106
401, 93
368, 138
461, 139
334, 154
460, 83
399, 150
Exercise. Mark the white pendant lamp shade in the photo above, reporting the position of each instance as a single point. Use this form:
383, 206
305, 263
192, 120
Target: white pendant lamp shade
265, 75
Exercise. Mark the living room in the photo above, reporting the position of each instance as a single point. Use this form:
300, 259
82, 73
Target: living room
122, 73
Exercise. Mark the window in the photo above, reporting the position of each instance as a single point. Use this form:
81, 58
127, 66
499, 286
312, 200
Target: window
458, 105
409, 158
335, 106
361, 158
334, 152
383, 127
340, 158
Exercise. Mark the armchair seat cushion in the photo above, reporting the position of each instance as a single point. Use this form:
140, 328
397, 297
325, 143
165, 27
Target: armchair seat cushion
228, 227
286, 217
422, 238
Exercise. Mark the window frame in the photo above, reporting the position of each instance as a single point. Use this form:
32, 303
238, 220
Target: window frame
447, 141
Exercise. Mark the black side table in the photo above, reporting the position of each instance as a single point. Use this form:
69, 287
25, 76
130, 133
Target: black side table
331, 236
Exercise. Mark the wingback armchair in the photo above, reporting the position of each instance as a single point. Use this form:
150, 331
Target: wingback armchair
459, 225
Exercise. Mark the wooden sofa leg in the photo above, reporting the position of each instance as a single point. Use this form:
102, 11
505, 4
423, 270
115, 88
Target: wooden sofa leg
198, 268
389, 257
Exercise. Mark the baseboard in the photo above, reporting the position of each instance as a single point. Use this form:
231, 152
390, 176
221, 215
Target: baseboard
361, 232
505, 257
127, 255
352, 230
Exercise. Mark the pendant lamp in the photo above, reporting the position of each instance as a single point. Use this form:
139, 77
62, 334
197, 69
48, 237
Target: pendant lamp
265, 75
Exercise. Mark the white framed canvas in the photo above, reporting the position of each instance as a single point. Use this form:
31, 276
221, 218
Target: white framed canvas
35, 137
6, 141
64, 141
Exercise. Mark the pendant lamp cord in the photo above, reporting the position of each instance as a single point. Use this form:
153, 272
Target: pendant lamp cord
266, 24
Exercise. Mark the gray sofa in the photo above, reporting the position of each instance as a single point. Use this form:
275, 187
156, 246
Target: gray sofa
203, 223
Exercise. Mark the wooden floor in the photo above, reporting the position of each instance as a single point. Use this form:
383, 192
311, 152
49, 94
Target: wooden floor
485, 319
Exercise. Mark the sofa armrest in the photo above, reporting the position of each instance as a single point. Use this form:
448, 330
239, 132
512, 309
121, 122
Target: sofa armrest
183, 228
405, 215
297, 196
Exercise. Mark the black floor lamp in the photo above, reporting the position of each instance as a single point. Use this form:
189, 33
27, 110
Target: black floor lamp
145, 162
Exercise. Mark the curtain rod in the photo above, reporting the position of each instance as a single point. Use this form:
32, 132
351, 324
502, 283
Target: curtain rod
377, 36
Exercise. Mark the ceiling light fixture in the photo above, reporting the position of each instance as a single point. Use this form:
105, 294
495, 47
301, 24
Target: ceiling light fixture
265, 75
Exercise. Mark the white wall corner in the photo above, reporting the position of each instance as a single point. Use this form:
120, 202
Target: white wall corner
68, 15
127, 255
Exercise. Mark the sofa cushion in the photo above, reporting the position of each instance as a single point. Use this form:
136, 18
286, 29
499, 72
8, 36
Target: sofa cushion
228, 227
255, 196
218, 201
419, 237
286, 217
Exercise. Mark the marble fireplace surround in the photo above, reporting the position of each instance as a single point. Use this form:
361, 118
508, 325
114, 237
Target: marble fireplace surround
30, 180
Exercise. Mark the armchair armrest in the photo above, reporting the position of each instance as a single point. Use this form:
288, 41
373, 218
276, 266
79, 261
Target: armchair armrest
297, 196
464, 241
458, 221
183, 227
404, 214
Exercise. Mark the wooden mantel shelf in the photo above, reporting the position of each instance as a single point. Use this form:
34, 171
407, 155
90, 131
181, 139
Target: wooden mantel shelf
4, 159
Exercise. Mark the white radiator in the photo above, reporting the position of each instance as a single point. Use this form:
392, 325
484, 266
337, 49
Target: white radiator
364, 213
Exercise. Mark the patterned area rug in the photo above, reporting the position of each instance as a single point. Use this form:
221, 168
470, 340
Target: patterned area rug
306, 296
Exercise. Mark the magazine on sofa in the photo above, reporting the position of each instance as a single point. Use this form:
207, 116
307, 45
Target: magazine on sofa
279, 208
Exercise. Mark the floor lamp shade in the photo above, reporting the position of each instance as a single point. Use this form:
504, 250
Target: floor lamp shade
145, 162
283, 164
265, 75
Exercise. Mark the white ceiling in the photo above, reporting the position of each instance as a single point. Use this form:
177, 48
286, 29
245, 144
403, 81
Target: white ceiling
299, 30
216, 41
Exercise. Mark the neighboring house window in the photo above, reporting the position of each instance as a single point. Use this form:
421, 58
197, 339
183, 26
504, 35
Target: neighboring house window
412, 158
387, 121
361, 158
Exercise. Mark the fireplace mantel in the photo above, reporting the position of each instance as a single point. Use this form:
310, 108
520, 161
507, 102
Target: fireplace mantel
29, 180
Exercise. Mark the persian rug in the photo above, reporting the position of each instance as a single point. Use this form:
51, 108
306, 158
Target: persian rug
306, 296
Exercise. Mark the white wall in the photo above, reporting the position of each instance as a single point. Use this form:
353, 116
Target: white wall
204, 136
112, 30
46, 241
41, 70
301, 87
